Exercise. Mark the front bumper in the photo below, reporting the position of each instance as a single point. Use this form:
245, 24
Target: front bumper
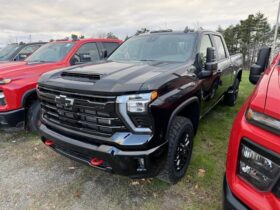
12, 119
230, 202
123, 162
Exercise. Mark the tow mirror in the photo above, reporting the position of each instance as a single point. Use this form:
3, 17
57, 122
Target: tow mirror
207, 67
211, 60
258, 68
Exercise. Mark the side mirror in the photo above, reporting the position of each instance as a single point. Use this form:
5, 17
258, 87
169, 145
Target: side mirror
211, 60
73, 61
258, 68
255, 73
207, 67
22, 57
104, 53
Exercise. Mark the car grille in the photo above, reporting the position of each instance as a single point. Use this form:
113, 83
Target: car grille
79, 112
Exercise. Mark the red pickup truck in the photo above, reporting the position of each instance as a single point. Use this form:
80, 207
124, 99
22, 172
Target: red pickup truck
19, 106
252, 178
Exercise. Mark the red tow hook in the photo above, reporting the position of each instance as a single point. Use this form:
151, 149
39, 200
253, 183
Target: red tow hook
96, 162
49, 143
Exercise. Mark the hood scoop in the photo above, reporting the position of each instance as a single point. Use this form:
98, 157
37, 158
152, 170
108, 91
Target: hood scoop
83, 77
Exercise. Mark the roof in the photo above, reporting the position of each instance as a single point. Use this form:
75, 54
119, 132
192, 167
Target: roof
90, 40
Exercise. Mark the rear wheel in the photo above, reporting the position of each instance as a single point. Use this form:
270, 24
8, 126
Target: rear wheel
180, 138
33, 116
232, 95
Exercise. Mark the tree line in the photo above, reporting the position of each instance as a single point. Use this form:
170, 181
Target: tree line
248, 36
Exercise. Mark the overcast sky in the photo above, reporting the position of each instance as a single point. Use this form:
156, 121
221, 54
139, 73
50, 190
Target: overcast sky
59, 18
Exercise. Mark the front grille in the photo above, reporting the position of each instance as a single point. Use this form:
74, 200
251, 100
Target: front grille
79, 112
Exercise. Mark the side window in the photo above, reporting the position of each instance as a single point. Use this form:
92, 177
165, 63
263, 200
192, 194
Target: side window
87, 53
27, 51
220, 47
205, 43
110, 46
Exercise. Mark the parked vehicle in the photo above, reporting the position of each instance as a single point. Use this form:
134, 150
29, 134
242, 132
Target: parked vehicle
19, 52
136, 114
253, 161
19, 105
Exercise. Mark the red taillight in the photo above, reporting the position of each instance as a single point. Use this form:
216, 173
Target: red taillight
96, 162
49, 142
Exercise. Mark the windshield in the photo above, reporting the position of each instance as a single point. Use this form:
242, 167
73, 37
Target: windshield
7, 51
156, 47
51, 52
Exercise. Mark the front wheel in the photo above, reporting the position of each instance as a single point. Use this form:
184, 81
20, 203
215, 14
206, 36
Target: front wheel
33, 116
180, 138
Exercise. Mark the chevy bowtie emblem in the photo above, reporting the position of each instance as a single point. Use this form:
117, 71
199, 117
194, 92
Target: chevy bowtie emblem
64, 101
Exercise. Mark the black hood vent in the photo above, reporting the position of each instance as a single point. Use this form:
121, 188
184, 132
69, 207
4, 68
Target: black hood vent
85, 77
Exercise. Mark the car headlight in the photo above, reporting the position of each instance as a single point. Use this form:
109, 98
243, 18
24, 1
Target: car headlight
5, 81
2, 99
139, 103
134, 110
257, 166
263, 120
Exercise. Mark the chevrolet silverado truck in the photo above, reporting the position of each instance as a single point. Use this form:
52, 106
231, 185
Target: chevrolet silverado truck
136, 113
19, 52
19, 105
252, 178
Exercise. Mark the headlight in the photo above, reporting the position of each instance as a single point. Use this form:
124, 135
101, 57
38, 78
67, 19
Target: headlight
139, 103
258, 169
5, 81
263, 120
134, 110
2, 99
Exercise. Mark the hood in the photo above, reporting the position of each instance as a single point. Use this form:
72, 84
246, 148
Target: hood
17, 70
115, 77
9, 65
272, 103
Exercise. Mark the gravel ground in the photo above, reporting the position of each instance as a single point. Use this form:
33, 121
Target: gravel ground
34, 177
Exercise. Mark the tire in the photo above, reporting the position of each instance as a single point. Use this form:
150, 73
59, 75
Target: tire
33, 117
231, 96
180, 140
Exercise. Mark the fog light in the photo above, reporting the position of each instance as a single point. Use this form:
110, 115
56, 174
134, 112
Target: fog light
257, 169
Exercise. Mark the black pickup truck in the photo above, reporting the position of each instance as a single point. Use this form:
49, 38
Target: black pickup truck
136, 113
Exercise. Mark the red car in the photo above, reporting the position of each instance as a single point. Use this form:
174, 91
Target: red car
252, 178
19, 106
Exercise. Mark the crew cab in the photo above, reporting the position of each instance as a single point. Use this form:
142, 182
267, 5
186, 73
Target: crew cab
252, 178
19, 52
19, 105
136, 113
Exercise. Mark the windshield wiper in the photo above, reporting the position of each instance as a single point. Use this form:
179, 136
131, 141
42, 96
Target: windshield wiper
148, 60
38, 61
